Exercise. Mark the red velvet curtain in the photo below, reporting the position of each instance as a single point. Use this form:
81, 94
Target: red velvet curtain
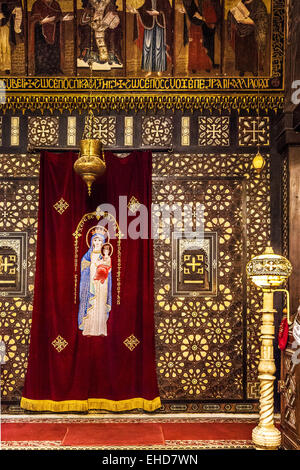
68, 370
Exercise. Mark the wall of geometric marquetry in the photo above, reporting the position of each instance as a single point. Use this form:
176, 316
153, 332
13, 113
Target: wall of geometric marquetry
207, 346
18, 213
193, 130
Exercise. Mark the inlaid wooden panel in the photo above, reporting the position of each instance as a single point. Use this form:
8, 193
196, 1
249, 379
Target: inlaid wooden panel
218, 335
207, 346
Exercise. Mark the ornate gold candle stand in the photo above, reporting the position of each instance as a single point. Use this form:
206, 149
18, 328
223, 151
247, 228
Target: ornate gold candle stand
268, 271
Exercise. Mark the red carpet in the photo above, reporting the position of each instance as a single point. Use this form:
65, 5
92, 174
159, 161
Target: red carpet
98, 433
207, 431
109, 434
33, 432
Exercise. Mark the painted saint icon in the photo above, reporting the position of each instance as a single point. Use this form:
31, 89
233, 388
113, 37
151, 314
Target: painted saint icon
46, 43
96, 284
248, 35
199, 33
154, 32
99, 35
11, 32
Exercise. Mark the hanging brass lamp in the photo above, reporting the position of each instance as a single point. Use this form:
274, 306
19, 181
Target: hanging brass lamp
91, 162
258, 162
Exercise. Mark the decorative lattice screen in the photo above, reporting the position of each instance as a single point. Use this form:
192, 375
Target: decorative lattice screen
207, 346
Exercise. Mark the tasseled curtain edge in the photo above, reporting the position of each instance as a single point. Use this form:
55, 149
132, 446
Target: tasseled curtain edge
90, 404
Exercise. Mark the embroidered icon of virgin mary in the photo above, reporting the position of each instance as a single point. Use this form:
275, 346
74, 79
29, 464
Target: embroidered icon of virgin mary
95, 284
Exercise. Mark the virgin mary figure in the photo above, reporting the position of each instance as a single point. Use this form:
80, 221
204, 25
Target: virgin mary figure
95, 288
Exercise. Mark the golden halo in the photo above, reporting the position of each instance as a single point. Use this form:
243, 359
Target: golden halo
99, 229
111, 248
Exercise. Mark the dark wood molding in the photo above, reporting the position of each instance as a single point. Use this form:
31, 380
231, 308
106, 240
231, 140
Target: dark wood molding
286, 131
296, 115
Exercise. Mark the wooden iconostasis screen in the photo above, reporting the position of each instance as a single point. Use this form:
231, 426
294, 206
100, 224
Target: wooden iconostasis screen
207, 340
179, 38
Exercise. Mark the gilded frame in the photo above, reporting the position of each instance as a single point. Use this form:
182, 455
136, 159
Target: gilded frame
18, 241
212, 238
165, 85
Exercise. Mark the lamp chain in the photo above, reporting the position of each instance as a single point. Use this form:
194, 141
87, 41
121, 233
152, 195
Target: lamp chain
90, 62
258, 101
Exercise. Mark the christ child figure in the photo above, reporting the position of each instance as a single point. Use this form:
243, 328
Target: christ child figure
104, 265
